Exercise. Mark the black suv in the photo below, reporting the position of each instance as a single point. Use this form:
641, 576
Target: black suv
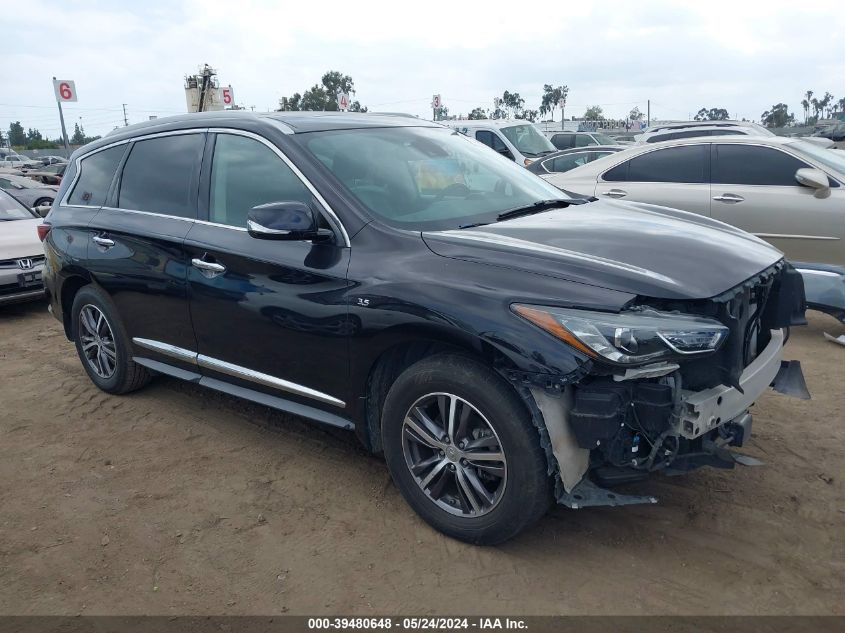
500, 342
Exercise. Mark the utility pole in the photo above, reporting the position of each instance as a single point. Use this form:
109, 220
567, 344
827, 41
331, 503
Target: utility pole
648, 116
64, 130
125, 120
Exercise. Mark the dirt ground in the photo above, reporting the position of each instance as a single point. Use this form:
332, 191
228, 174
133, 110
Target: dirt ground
178, 500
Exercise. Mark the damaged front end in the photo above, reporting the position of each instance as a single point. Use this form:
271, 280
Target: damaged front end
668, 387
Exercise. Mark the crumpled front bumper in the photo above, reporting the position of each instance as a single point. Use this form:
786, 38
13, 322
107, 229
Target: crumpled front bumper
703, 411
700, 414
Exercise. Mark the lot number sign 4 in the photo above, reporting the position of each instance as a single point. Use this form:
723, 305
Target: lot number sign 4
65, 89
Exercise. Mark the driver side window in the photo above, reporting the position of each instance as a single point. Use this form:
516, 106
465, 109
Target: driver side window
246, 173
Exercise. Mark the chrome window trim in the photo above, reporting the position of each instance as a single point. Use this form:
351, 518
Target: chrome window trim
257, 137
236, 371
698, 141
143, 137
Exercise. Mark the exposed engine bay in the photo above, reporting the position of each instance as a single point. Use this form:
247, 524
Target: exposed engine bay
617, 425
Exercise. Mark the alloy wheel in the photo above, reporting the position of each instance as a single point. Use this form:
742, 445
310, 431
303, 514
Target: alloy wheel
97, 341
454, 455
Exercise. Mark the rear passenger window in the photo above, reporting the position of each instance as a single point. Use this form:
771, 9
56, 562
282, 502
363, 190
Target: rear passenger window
562, 141
751, 165
95, 177
161, 175
246, 173
674, 164
583, 140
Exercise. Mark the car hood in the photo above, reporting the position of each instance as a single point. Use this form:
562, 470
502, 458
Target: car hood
19, 238
638, 248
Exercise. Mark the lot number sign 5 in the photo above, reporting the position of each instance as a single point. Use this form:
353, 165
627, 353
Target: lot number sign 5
65, 89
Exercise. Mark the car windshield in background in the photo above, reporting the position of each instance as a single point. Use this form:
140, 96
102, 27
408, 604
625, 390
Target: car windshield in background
831, 158
603, 139
426, 178
11, 209
528, 140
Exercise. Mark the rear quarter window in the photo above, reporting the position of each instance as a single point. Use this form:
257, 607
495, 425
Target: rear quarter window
95, 177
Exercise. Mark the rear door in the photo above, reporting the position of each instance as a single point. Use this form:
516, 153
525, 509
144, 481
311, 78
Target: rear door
754, 188
270, 315
675, 177
137, 252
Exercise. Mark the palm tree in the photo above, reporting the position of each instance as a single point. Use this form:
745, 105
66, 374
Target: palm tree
806, 105
841, 103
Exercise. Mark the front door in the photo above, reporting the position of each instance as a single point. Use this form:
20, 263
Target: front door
269, 315
754, 188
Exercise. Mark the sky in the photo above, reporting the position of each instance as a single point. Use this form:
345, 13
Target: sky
740, 55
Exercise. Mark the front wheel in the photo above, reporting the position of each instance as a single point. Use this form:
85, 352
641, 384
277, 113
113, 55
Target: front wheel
462, 450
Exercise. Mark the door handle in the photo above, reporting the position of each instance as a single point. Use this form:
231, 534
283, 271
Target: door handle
208, 267
102, 241
614, 193
730, 198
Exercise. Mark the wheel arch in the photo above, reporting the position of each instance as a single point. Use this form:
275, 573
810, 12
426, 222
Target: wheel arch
395, 356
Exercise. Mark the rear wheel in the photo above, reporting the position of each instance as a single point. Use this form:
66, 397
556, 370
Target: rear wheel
461, 448
102, 344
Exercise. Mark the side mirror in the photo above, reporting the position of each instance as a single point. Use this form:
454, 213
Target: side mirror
282, 221
42, 210
815, 179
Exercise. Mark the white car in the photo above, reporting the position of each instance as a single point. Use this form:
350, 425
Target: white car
21, 252
17, 161
784, 190
698, 129
518, 140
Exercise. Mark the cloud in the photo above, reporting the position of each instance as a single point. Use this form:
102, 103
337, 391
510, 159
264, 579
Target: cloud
743, 56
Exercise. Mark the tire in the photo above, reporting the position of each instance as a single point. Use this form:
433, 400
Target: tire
518, 490
43, 201
125, 375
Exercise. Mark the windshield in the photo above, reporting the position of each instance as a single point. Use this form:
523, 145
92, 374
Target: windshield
831, 158
426, 178
11, 209
528, 140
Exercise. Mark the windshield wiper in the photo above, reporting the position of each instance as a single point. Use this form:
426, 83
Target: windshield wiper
537, 207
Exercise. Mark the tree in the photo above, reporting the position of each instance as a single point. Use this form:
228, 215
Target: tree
512, 103
529, 115
33, 135
825, 102
594, 113
806, 105
16, 134
441, 113
713, 114
635, 114
323, 96
841, 104
78, 137
551, 97
777, 116
477, 113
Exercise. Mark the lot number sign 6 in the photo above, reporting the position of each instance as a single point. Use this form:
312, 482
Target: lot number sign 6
65, 89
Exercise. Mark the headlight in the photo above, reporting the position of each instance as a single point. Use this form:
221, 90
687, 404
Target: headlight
628, 338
